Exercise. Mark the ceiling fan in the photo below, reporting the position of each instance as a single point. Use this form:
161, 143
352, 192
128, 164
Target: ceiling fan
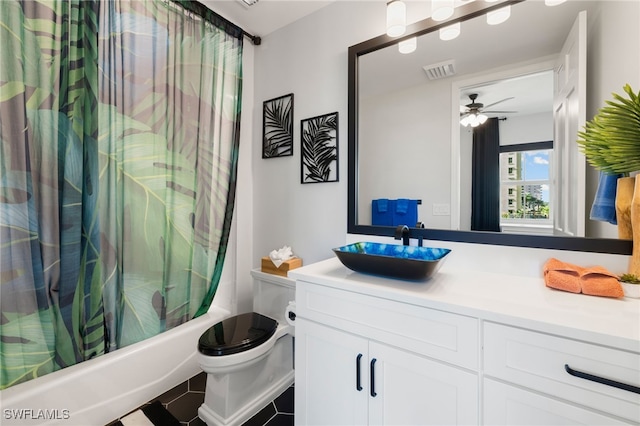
474, 114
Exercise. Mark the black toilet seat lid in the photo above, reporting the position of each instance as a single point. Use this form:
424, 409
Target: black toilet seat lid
237, 334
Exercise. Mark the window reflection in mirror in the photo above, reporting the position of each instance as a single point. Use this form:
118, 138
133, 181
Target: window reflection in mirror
526, 204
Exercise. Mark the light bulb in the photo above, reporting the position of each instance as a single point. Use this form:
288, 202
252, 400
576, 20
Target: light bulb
409, 45
450, 32
499, 16
441, 9
396, 18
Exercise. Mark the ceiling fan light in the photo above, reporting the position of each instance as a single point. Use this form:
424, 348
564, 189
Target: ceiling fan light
441, 9
496, 17
396, 18
408, 46
450, 32
465, 121
553, 2
482, 118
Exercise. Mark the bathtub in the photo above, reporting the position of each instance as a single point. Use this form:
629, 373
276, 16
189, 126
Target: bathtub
103, 389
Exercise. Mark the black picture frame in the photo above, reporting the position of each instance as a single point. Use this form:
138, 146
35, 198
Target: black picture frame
277, 127
319, 149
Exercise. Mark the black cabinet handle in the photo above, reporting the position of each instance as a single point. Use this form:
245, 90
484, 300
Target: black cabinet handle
373, 378
358, 384
602, 380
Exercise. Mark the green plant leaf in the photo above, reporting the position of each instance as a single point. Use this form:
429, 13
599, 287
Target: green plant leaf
611, 140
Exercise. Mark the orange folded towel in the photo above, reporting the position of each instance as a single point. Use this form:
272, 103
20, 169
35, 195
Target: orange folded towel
562, 275
594, 280
597, 281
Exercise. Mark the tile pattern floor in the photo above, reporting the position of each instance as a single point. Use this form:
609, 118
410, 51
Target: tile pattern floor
183, 401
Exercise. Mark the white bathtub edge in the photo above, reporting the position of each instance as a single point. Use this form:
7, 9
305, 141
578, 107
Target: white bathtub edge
101, 390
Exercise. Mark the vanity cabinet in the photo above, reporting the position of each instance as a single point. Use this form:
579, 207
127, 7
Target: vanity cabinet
346, 375
460, 349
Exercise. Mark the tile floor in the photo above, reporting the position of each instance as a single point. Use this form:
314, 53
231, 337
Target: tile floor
183, 401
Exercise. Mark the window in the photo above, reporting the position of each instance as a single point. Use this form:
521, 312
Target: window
525, 184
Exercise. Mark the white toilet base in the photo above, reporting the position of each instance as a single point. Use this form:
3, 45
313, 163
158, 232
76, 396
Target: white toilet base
249, 410
234, 397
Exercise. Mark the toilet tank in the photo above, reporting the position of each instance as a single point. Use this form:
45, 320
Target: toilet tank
272, 294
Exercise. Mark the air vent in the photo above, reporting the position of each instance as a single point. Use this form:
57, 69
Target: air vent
440, 70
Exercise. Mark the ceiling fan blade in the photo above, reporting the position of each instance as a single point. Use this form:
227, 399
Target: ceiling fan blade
463, 109
499, 112
496, 103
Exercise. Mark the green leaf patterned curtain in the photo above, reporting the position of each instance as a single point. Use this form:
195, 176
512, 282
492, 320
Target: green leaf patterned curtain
119, 130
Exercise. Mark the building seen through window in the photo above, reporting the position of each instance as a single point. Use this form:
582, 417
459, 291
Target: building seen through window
525, 183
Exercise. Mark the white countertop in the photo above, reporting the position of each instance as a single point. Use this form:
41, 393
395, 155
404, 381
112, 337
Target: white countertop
519, 301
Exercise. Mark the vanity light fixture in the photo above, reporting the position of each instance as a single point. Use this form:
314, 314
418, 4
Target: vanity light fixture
396, 18
450, 32
441, 9
553, 2
408, 46
496, 17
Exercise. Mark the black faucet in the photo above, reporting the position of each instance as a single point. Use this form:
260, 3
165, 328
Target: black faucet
402, 231
420, 225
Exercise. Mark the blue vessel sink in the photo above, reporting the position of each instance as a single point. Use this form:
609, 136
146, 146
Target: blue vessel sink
391, 260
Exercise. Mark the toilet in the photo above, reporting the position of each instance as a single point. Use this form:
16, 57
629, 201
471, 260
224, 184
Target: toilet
248, 358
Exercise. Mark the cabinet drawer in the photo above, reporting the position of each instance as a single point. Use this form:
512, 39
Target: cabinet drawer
449, 337
537, 361
509, 405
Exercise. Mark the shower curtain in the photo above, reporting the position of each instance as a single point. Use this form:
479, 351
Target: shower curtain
119, 124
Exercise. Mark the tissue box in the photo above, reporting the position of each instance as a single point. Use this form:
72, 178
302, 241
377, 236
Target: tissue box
287, 265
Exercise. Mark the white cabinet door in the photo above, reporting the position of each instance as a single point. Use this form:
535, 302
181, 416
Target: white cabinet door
413, 390
512, 406
343, 379
326, 376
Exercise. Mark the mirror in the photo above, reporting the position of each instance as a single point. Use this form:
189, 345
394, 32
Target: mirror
424, 153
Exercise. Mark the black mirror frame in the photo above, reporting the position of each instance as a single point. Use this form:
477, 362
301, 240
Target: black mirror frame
463, 13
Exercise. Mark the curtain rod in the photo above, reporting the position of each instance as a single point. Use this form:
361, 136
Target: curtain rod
256, 40
214, 18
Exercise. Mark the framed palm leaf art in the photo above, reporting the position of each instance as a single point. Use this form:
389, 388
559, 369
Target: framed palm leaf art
277, 127
319, 141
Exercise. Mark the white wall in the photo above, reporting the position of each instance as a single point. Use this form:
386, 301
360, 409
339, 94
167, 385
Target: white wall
618, 28
409, 124
309, 59
527, 128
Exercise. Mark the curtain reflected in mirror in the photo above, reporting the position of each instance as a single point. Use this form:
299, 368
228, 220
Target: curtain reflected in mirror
485, 190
